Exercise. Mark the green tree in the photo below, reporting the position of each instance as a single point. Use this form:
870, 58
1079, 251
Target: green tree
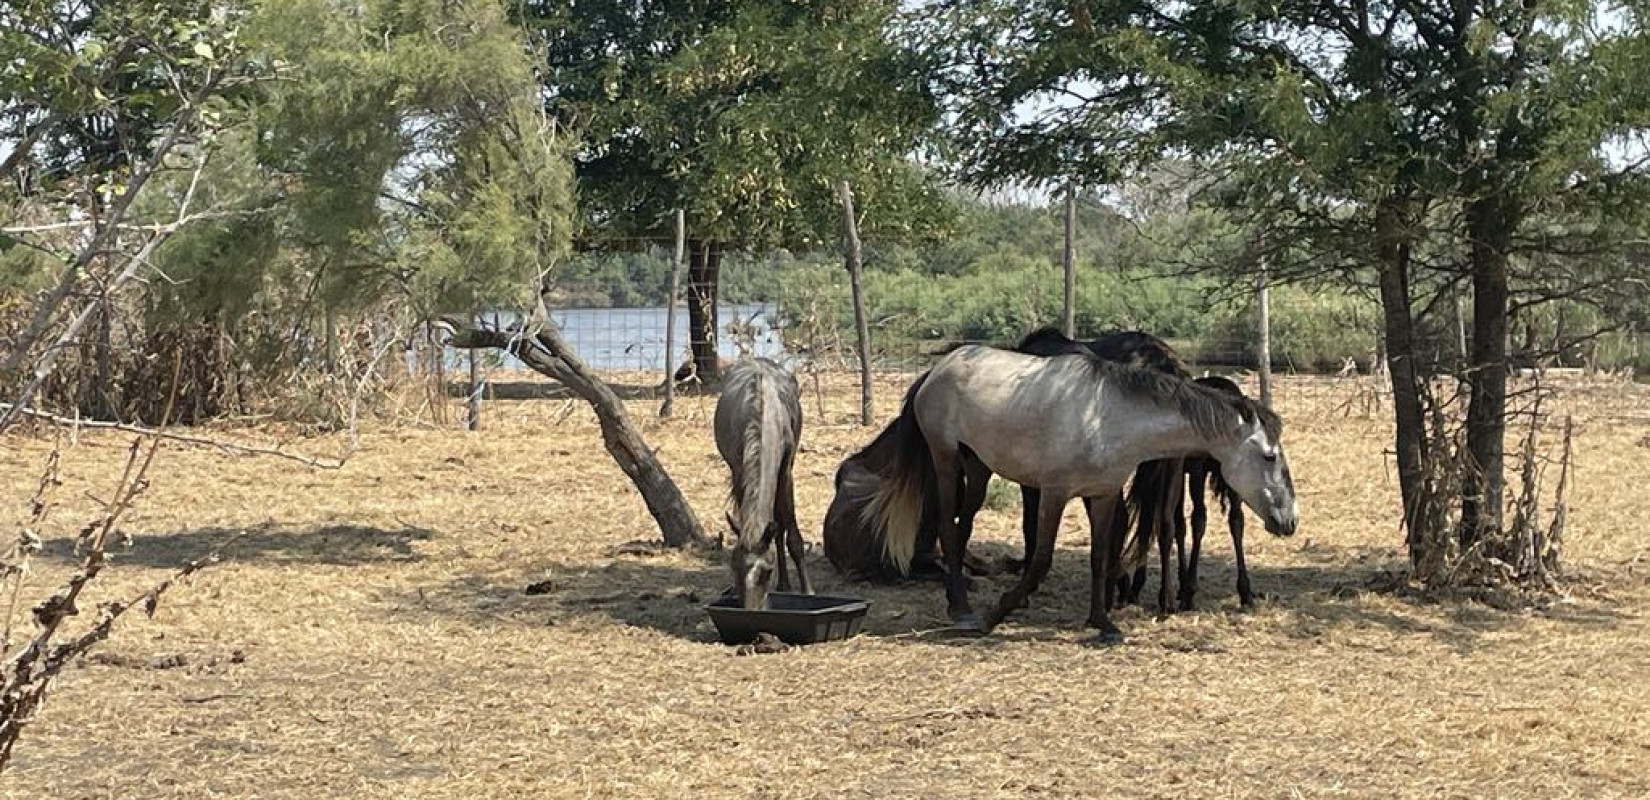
743, 113
107, 100
1411, 146
400, 166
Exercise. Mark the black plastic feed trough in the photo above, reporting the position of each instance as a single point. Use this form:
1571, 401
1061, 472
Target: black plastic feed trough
793, 618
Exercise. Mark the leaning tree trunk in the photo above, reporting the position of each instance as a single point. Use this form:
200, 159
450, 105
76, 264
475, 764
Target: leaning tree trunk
1403, 368
1483, 487
547, 353
704, 266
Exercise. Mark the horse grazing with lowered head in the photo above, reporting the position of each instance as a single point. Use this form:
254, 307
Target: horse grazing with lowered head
1071, 426
758, 427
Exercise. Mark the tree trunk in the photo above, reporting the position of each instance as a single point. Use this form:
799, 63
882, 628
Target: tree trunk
1402, 365
1483, 487
862, 329
330, 320
704, 266
549, 354
473, 402
97, 393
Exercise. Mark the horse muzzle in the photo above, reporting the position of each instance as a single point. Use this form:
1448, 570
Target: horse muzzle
1282, 524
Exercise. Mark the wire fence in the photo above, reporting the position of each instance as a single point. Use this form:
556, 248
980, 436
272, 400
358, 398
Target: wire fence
610, 304
795, 331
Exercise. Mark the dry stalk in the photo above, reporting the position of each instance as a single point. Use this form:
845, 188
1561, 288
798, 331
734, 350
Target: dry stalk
1523, 556
1561, 503
16, 566
26, 674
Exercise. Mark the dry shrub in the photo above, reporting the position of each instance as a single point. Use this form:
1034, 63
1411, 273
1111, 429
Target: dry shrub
30, 667
1518, 563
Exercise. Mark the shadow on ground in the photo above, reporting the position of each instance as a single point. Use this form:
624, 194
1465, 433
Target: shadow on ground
667, 593
340, 545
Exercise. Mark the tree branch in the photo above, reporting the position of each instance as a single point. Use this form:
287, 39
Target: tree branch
542, 348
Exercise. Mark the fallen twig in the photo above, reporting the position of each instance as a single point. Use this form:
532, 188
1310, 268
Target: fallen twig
228, 447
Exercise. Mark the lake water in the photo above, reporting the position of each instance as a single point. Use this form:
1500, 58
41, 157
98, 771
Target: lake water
633, 339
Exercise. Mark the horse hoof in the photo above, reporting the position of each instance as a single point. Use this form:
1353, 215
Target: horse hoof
968, 624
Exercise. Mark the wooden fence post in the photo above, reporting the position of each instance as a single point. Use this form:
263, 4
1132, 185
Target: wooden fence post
475, 393
862, 330
676, 258
1068, 315
1263, 339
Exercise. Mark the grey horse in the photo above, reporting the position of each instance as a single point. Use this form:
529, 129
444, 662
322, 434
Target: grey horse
758, 426
1071, 426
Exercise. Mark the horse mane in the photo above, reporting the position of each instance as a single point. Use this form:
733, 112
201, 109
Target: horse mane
1208, 409
1047, 341
1140, 349
1134, 348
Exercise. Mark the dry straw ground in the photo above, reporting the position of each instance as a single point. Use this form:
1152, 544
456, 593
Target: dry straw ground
372, 639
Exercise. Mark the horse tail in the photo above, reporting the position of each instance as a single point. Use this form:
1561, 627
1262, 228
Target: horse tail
897, 506
1144, 502
1222, 490
764, 454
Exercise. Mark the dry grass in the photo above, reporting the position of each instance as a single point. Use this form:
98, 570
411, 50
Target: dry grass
371, 639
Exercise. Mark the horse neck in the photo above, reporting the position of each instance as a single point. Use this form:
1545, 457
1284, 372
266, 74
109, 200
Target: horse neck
1151, 431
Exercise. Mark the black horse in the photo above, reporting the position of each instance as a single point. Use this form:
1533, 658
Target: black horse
1204, 476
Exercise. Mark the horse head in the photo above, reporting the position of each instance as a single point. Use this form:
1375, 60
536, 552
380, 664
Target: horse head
753, 576
1256, 467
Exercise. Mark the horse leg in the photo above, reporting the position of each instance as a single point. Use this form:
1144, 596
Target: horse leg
1051, 508
1117, 584
974, 479
777, 537
792, 535
1029, 498
1234, 519
947, 472
1165, 546
1102, 516
1197, 473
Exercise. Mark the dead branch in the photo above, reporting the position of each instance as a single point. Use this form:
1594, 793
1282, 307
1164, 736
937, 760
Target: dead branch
25, 676
134, 264
46, 309
541, 347
227, 447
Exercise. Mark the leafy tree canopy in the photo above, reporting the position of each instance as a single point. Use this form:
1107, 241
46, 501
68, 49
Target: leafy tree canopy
744, 113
